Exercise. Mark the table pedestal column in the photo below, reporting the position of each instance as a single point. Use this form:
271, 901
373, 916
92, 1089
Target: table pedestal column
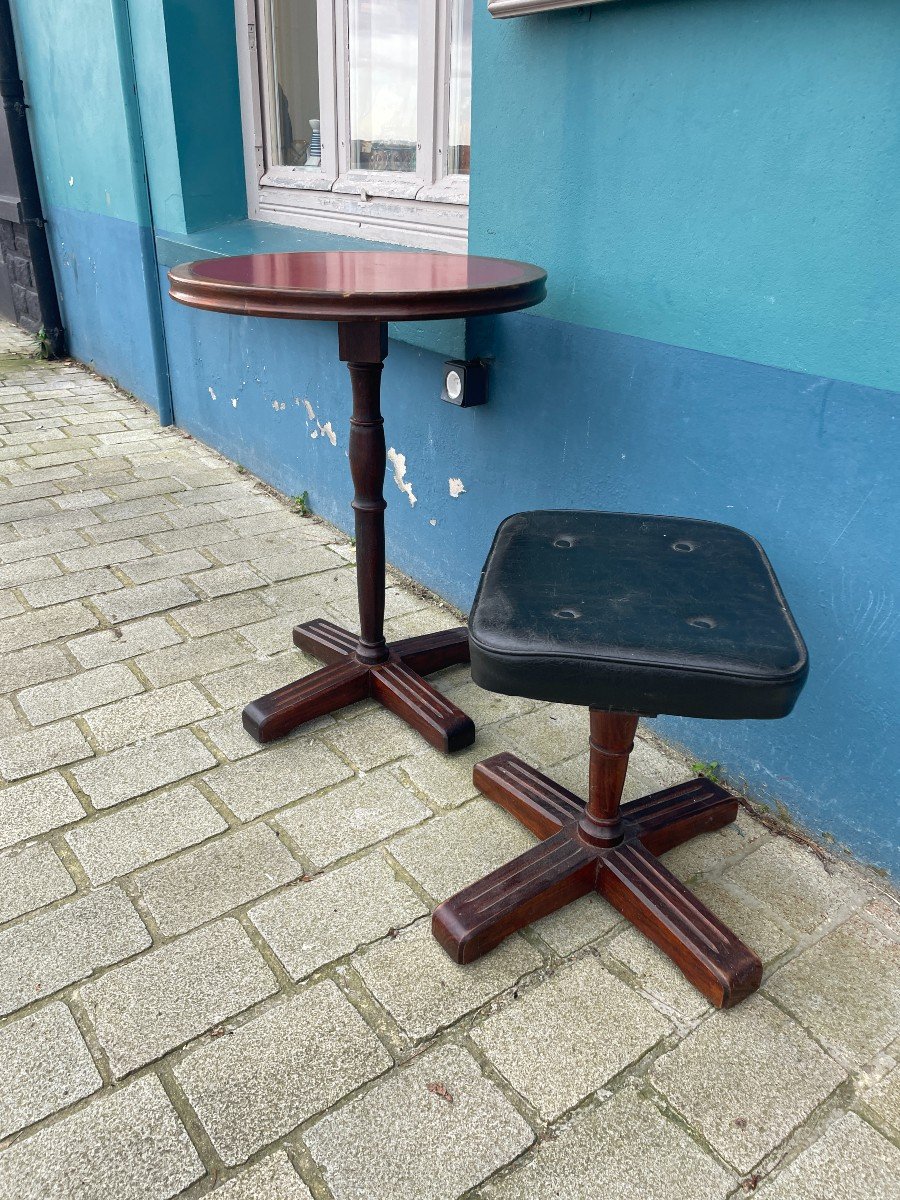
365, 665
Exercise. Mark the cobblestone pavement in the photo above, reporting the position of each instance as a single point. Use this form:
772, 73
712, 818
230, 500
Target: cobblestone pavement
216, 971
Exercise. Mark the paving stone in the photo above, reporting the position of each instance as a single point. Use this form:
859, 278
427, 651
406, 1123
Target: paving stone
623, 1150
549, 734
279, 541
213, 879
30, 629
272, 1179
240, 684
454, 850
122, 841
794, 883
583, 1019
373, 739
445, 781
424, 990
845, 989
10, 605
66, 944
752, 925
119, 531
70, 587
710, 851
200, 528
440, 1147
350, 817
294, 562
314, 923
35, 807
144, 1009
127, 1144
850, 1160
273, 635
31, 878
142, 768
41, 749
193, 658
224, 581
280, 1069
229, 736
657, 975
56, 521
280, 775
746, 1079
577, 924
24, 548
165, 566
11, 724
884, 1100
143, 716
27, 668
127, 641
28, 571
146, 599
212, 616
110, 555
484, 707
44, 1066
69, 697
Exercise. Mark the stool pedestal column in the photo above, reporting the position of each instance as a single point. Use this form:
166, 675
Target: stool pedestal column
605, 847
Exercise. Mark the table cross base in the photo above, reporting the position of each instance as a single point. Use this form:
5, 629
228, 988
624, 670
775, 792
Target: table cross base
395, 681
569, 863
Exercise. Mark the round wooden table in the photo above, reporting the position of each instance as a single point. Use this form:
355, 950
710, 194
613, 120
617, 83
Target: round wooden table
362, 290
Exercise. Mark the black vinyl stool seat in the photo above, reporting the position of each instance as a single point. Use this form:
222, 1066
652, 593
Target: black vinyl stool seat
637, 614
630, 616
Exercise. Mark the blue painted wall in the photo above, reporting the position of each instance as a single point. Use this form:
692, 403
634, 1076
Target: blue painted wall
711, 185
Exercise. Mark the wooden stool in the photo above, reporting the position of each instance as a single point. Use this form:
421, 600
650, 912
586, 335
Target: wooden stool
628, 615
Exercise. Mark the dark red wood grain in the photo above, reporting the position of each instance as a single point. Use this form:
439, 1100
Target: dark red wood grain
607, 847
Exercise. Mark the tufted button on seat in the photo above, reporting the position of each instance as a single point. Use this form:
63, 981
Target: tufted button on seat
627, 615
635, 613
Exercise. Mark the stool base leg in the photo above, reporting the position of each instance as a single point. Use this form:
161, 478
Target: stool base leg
564, 866
396, 682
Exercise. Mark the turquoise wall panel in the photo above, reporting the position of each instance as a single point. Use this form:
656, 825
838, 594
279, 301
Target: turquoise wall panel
719, 174
78, 109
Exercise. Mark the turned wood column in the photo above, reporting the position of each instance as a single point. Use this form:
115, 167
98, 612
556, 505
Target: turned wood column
363, 346
612, 740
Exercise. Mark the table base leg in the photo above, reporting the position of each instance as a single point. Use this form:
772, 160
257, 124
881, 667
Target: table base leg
396, 683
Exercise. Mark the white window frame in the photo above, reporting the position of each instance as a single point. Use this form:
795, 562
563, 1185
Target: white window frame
427, 209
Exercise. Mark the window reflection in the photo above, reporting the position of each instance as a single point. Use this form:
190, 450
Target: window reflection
384, 72
294, 58
460, 86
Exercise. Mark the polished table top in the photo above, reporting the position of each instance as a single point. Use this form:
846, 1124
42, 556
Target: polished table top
358, 285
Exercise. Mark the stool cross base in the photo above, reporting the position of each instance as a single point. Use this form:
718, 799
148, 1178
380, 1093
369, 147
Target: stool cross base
395, 680
609, 848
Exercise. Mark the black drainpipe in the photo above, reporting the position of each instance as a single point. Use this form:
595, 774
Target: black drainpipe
13, 95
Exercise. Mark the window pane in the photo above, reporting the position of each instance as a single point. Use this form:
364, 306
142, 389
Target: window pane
384, 72
294, 100
460, 85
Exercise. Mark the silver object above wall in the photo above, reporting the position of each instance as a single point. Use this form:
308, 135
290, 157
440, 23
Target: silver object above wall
523, 8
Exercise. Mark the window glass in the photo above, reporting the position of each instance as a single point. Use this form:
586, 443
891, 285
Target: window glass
460, 86
384, 73
295, 135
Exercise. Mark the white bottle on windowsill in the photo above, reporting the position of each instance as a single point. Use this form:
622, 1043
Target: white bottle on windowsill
314, 154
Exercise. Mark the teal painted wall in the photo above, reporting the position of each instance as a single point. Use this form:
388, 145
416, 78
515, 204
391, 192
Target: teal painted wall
78, 113
718, 174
